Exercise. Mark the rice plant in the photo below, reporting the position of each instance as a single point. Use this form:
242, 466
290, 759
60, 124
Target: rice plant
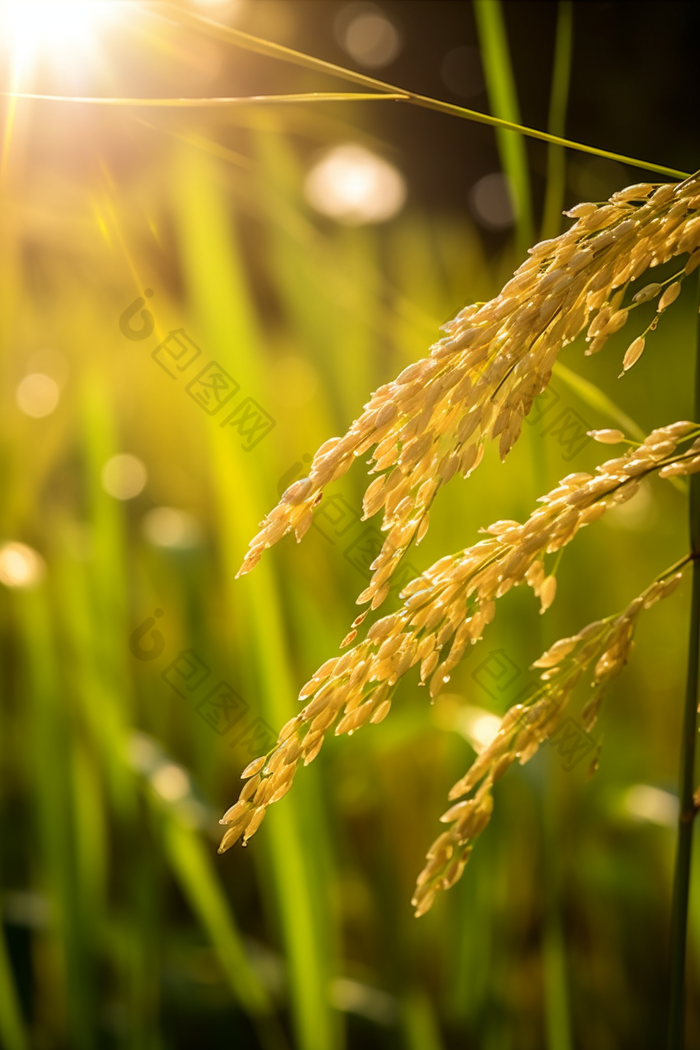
183, 324
433, 422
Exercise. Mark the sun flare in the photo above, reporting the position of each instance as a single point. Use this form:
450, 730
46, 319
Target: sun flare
36, 32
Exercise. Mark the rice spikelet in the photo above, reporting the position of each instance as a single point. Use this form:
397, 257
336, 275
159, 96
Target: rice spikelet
451, 602
480, 380
524, 728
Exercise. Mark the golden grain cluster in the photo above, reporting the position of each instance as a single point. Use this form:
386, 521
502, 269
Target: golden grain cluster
525, 727
444, 611
479, 383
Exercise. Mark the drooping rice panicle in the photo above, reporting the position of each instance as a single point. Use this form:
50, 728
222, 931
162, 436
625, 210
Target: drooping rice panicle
480, 380
451, 602
525, 727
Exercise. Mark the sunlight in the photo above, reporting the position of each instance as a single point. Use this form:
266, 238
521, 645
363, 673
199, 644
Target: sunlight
41, 29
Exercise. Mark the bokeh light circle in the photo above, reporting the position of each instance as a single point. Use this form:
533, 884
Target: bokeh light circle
124, 476
20, 565
368, 36
460, 71
492, 202
355, 186
169, 527
37, 395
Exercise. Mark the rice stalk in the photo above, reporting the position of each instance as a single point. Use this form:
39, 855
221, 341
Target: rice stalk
452, 602
258, 45
479, 381
558, 99
206, 103
688, 795
525, 727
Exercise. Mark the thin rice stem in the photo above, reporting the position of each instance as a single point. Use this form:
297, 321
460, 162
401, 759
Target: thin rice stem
686, 814
261, 46
559, 97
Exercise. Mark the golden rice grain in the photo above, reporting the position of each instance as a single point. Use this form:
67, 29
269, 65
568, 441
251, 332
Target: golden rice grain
607, 436
633, 352
669, 296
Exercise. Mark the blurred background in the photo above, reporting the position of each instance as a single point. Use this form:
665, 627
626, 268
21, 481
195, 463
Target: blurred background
191, 301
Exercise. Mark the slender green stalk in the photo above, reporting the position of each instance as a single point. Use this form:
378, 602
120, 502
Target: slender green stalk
419, 1024
679, 921
49, 730
503, 99
192, 864
557, 1010
12, 1028
556, 155
221, 301
681, 889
